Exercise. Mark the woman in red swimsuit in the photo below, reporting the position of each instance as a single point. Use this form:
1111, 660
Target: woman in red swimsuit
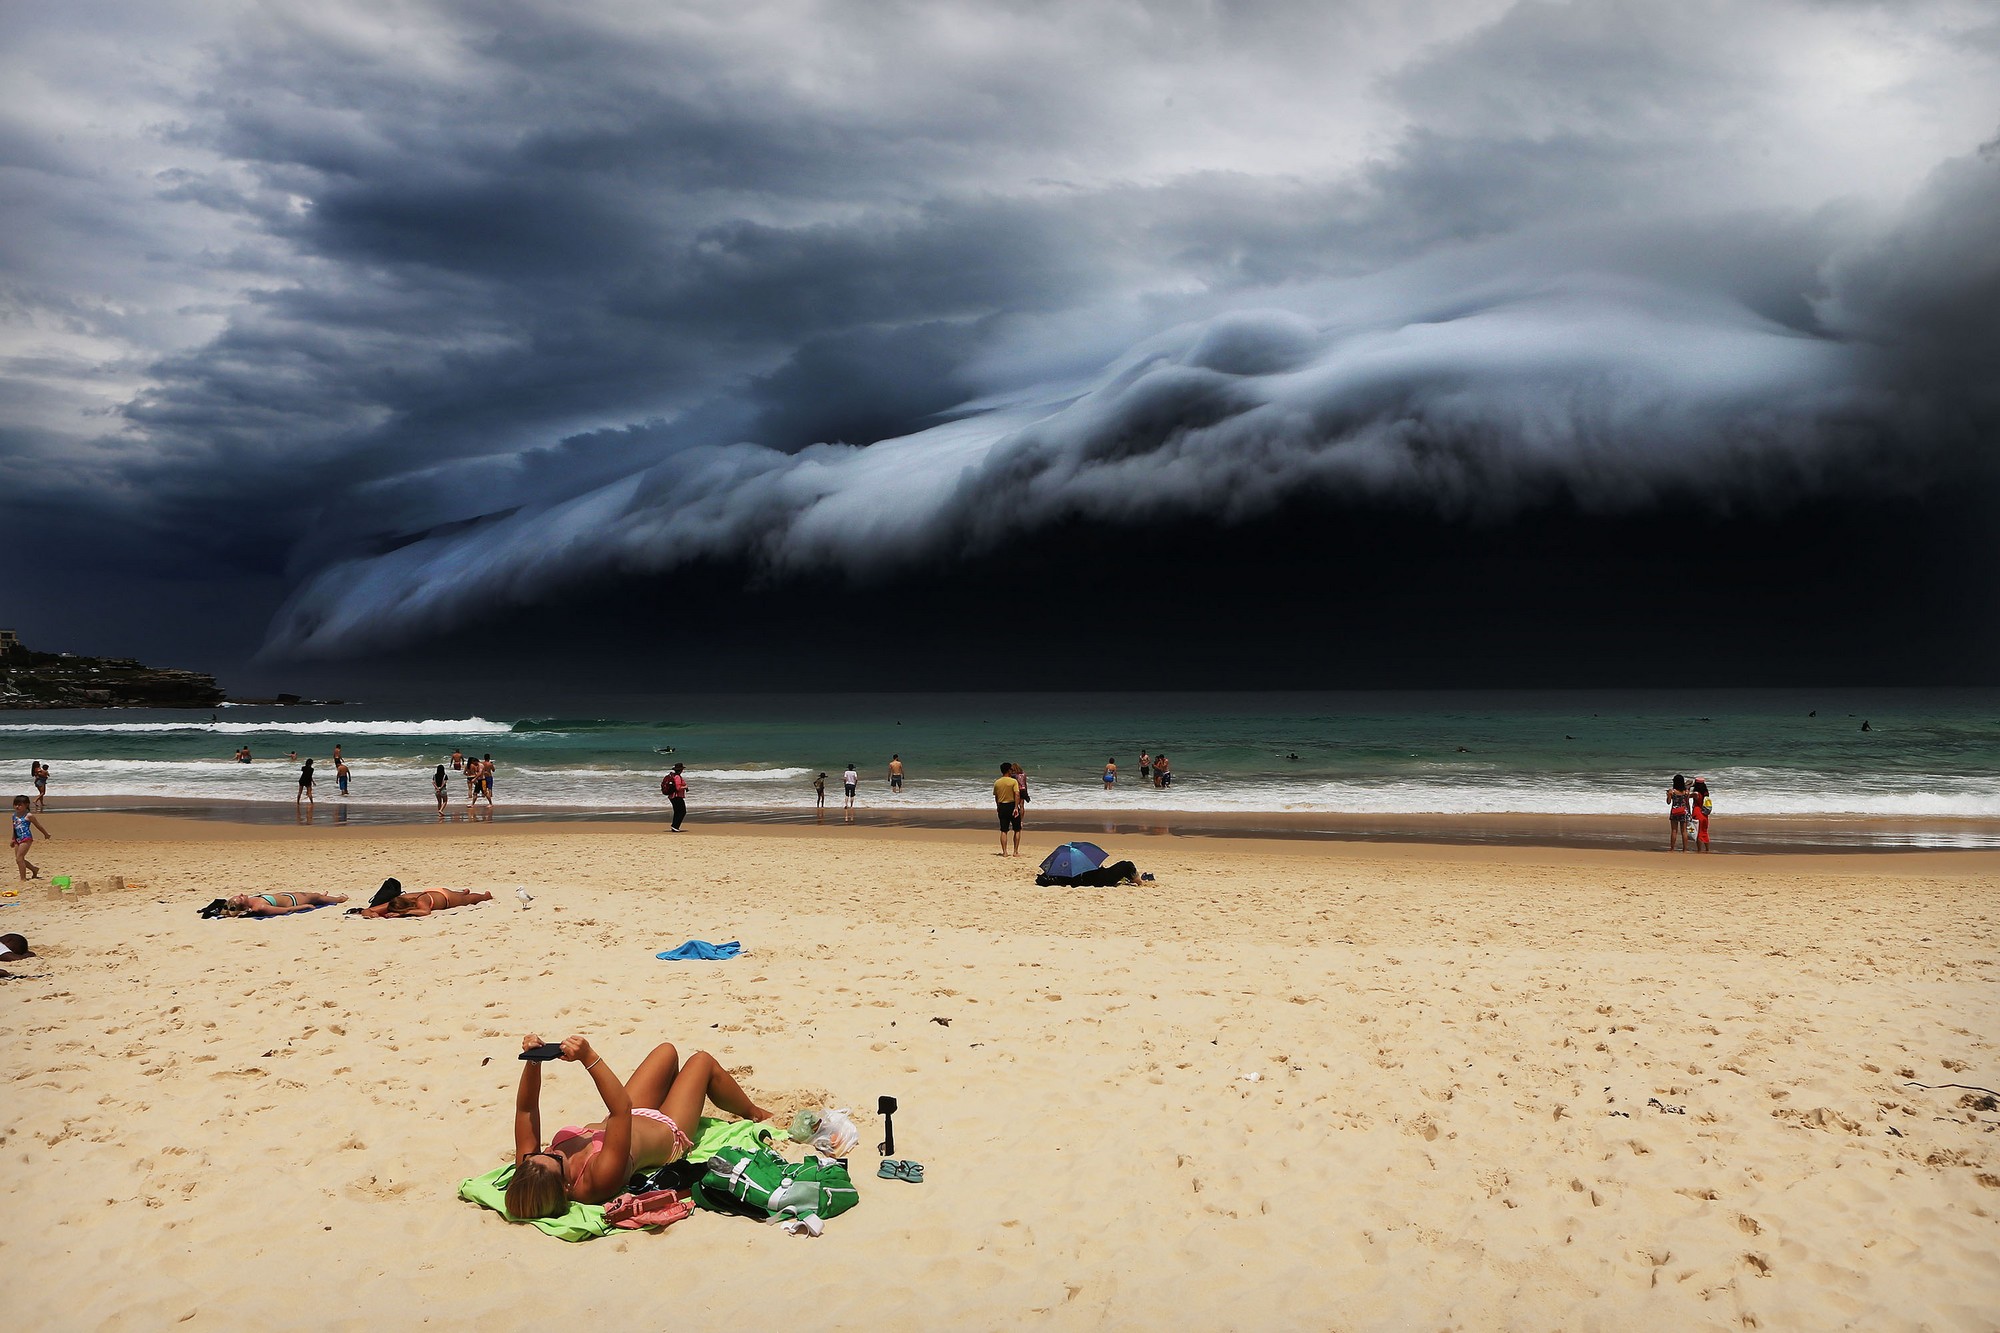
642, 1126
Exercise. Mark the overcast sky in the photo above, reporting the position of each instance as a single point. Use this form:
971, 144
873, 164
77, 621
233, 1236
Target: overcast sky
330, 329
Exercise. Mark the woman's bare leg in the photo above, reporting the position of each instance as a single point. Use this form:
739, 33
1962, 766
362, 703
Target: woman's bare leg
655, 1074
703, 1080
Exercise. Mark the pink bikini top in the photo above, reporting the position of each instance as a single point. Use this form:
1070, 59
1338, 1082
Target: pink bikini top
569, 1132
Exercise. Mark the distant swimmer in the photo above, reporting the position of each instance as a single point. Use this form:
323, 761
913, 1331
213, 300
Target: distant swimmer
1293, 756
663, 749
1866, 727
1463, 750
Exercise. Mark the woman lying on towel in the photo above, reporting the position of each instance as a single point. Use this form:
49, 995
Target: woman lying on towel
390, 900
271, 904
643, 1126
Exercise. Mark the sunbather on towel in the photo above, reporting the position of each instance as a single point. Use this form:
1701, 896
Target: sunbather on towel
642, 1126
390, 900
274, 904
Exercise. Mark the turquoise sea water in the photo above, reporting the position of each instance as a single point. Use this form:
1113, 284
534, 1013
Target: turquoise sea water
1926, 755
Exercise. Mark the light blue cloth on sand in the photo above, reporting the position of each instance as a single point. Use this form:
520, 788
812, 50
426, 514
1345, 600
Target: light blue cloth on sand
701, 951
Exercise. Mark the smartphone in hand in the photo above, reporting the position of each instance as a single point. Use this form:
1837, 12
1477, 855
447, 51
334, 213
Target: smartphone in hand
548, 1050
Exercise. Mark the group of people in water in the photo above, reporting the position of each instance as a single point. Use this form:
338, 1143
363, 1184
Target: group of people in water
1688, 808
1153, 769
478, 775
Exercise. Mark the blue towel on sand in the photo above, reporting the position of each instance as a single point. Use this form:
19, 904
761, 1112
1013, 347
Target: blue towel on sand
702, 951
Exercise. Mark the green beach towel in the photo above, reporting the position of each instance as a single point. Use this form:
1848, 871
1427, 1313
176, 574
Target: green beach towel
585, 1221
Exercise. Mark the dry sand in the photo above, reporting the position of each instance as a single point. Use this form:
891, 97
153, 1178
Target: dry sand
1499, 1088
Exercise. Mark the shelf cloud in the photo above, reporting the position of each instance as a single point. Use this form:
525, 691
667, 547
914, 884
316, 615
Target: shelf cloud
411, 317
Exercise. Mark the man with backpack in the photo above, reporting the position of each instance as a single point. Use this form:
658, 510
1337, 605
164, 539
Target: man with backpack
675, 788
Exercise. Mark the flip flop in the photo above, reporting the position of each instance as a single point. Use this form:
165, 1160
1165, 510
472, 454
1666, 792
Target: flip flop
912, 1172
890, 1170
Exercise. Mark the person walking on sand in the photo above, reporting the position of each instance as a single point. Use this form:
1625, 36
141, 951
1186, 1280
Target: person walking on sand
438, 790
896, 773
1677, 814
38, 772
22, 838
819, 796
674, 786
1110, 773
849, 780
1007, 802
305, 785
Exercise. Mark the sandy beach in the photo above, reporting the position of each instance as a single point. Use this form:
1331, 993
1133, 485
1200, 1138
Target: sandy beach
1293, 1084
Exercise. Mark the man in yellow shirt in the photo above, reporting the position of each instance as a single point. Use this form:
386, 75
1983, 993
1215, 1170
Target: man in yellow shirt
1007, 799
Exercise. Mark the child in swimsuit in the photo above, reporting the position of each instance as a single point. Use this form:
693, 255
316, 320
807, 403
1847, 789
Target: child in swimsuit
23, 837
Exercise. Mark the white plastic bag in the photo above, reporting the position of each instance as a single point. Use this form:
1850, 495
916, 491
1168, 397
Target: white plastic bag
837, 1134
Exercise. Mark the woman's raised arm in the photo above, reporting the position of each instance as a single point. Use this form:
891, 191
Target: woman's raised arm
607, 1170
528, 1104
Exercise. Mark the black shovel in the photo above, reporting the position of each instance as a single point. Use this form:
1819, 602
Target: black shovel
886, 1108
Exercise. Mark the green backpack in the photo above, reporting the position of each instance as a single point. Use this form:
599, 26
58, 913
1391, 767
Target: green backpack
760, 1182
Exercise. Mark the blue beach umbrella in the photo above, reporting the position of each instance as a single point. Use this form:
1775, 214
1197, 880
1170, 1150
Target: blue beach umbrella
1074, 858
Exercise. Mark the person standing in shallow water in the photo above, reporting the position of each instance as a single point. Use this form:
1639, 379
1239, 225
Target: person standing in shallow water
819, 796
1677, 814
1007, 802
896, 773
305, 785
849, 781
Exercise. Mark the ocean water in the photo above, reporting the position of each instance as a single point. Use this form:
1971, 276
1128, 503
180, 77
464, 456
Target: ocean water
1927, 755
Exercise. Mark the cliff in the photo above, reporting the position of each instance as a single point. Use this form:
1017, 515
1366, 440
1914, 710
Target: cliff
59, 680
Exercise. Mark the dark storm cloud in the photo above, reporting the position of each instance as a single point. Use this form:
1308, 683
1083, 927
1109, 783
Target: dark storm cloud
474, 304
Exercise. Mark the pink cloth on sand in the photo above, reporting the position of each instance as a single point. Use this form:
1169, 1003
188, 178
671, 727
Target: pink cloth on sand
654, 1208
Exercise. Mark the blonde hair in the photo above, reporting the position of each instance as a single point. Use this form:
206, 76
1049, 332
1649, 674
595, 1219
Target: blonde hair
536, 1190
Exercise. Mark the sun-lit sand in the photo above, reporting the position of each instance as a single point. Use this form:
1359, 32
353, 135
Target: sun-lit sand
1291, 1085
